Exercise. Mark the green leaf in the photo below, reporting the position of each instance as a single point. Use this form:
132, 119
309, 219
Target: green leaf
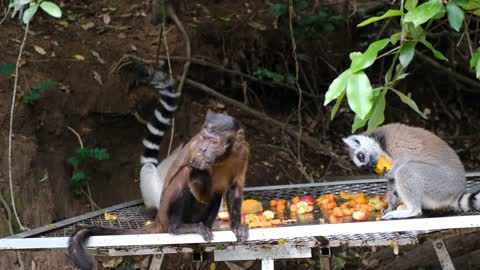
278, 9
28, 14
7, 69
74, 161
18, 3
407, 51
407, 100
477, 67
45, 86
225, 18
395, 38
362, 61
415, 32
100, 154
475, 58
455, 16
79, 176
337, 105
424, 12
436, 53
359, 94
337, 87
31, 98
265, 73
51, 8
358, 123
410, 4
388, 14
378, 114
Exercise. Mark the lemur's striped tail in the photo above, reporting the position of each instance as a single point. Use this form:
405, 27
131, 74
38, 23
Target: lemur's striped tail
163, 114
469, 201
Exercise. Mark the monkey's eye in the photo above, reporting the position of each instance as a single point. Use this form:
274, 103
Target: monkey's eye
361, 157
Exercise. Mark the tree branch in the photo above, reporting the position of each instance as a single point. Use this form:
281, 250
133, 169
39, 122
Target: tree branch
308, 140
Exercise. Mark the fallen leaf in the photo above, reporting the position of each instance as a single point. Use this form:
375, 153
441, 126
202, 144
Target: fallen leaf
87, 26
39, 50
97, 56
65, 24
109, 217
79, 57
97, 77
106, 19
257, 26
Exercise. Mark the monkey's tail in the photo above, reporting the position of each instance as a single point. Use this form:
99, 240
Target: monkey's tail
76, 252
163, 114
468, 201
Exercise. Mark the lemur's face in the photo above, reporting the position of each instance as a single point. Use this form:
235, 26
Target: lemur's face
364, 151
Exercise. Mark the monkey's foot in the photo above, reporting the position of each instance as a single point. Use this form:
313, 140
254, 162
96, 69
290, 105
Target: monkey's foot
241, 232
401, 214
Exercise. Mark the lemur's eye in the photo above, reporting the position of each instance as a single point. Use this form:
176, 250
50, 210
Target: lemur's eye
361, 157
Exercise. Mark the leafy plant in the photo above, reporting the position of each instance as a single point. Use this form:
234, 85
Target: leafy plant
79, 177
48, 7
36, 92
304, 24
262, 73
368, 103
7, 69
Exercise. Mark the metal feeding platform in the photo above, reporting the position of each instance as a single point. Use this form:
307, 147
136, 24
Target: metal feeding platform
267, 244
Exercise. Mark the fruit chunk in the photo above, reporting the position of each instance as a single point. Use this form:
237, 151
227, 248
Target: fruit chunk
295, 199
273, 203
223, 215
338, 212
401, 207
382, 166
308, 199
360, 215
251, 206
268, 215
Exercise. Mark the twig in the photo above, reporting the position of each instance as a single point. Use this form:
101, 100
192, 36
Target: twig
188, 49
80, 142
224, 69
10, 132
93, 204
466, 80
297, 84
310, 141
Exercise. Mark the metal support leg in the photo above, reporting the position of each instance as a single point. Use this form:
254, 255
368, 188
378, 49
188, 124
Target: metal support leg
443, 255
267, 264
157, 261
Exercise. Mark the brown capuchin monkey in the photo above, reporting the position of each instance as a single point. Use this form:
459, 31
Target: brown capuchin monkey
212, 164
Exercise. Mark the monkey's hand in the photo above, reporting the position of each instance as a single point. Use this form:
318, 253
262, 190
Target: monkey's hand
199, 228
241, 232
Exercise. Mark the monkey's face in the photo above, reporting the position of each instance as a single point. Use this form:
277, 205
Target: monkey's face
215, 141
364, 151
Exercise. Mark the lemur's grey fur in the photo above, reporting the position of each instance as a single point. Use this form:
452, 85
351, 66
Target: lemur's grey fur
426, 172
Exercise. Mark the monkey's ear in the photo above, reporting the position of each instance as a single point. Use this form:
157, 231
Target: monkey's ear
239, 139
351, 142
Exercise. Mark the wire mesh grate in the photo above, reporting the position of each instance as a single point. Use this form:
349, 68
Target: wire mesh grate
134, 217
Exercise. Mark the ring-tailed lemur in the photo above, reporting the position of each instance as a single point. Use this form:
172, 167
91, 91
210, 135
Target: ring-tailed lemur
426, 172
153, 173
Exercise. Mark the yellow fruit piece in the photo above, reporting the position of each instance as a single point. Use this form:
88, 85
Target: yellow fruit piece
109, 217
268, 215
79, 57
213, 266
251, 206
148, 222
383, 165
